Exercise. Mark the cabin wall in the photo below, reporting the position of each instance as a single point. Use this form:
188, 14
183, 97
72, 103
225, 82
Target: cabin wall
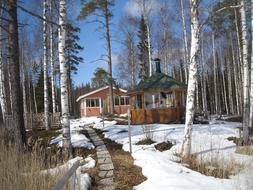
147, 116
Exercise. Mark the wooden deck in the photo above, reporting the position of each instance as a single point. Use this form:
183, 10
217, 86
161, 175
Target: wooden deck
157, 115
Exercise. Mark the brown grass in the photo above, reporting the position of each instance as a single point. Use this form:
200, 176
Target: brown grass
214, 167
146, 141
22, 170
126, 174
246, 150
163, 146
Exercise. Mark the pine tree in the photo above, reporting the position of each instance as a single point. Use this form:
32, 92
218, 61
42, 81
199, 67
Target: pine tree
101, 8
72, 49
143, 50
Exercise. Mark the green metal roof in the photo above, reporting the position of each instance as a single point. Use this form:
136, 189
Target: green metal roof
158, 81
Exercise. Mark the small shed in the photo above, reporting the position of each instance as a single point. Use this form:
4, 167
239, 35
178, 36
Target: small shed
157, 99
96, 102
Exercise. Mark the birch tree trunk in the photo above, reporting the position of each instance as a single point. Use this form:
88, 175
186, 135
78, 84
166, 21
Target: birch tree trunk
215, 75
203, 82
186, 49
246, 104
3, 103
240, 68
64, 77
230, 90
45, 65
236, 79
225, 91
186, 146
52, 61
23, 86
34, 99
251, 73
17, 105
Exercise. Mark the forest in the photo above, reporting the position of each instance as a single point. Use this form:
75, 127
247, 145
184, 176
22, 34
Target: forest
57, 55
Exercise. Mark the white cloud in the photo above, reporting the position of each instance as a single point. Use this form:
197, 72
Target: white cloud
135, 8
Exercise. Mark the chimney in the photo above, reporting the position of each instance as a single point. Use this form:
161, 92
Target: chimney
158, 66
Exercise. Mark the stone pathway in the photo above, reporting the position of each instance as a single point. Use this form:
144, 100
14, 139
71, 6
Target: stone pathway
104, 161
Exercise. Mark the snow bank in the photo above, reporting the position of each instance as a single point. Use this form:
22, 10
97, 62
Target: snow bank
159, 167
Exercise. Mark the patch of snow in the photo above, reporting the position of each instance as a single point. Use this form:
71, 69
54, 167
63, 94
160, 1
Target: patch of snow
162, 172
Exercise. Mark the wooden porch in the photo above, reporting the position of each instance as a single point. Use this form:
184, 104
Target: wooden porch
160, 110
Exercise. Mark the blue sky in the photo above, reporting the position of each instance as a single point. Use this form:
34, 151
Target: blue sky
90, 38
94, 46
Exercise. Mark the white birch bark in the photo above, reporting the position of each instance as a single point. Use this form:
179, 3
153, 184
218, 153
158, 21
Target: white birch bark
186, 49
52, 62
251, 73
225, 91
45, 67
64, 77
203, 82
215, 75
236, 83
23, 86
3, 103
230, 90
194, 55
34, 99
240, 68
246, 104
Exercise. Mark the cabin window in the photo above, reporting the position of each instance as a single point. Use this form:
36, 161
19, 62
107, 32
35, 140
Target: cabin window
137, 102
170, 99
127, 100
123, 100
151, 100
116, 101
92, 102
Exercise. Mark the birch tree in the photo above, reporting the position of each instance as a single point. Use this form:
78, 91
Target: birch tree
194, 55
64, 77
3, 103
246, 104
251, 73
186, 49
45, 66
52, 71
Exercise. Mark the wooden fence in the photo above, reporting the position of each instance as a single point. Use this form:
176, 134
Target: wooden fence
36, 120
70, 175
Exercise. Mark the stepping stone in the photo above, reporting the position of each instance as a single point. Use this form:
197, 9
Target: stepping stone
102, 152
106, 167
106, 181
109, 173
104, 156
104, 174
111, 187
101, 147
104, 161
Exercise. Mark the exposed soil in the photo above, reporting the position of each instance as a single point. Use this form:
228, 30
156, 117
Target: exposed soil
126, 174
52, 155
164, 146
233, 119
146, 141
216, 168
239, 142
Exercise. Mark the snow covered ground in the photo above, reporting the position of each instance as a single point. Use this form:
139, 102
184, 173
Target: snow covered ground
83, 180
160, 168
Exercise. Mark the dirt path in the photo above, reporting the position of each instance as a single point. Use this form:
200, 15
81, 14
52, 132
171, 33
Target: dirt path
115, 168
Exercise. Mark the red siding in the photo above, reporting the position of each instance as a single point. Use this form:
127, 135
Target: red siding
95, 111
